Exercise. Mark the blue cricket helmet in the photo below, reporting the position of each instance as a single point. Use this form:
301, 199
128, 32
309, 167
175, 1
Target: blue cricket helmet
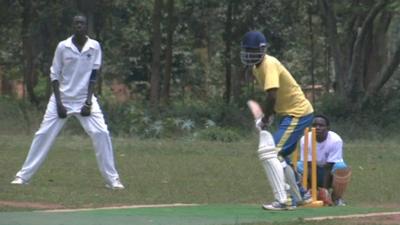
253, 47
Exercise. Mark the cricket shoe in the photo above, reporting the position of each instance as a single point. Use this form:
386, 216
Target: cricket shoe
19, 181
116, 185
340, 202
277, 206
306, 199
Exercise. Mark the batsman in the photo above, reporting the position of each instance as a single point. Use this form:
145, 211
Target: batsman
285, 100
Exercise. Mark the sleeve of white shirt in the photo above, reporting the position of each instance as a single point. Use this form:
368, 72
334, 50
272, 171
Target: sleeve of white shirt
97, 60
56, 66
335, 153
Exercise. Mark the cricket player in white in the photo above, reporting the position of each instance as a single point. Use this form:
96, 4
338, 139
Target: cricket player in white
73, 75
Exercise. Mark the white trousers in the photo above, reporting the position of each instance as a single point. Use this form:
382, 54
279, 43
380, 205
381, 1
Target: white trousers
95, 127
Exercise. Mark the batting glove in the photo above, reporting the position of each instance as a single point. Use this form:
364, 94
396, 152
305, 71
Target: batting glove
270, 120
260, 125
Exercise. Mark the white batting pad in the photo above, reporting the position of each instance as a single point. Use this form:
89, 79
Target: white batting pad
291, 181
272, 166
266, 147
275, 175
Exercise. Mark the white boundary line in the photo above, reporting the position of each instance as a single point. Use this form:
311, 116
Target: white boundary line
351, 216
119, 207
183, 205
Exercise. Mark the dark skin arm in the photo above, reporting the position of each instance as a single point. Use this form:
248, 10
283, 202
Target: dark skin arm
86, 108
270, 104
328, 176
61, 111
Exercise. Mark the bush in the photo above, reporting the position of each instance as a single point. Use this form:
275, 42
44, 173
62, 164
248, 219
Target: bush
178, 119
18, 116
377, 120
219, 134
333, 106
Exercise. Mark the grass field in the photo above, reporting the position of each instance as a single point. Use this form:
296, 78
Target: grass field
180, 171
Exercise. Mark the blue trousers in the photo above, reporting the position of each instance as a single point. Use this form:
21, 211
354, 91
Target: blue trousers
289, 132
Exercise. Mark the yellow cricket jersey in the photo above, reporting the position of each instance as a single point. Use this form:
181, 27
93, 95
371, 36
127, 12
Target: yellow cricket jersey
290, 98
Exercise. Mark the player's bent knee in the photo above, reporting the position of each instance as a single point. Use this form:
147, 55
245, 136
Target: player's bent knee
266, 155
99, 132
339, 166
300, 167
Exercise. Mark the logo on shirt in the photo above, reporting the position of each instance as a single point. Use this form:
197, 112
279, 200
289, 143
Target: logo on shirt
88, 56
69, 58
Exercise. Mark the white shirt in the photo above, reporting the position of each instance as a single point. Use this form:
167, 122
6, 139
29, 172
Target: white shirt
328, 151
73, 68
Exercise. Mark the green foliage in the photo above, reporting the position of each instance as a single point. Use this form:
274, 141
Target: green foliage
200, 58
220, 134
212, 109
42, 88
127, 45
18, 116
124, 30
378, 119
178, 119
333, 106
137, 120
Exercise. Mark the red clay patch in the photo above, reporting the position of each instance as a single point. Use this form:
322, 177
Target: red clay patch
381, 220
31, 205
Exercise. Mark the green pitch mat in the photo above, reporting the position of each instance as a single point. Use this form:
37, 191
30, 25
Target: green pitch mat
190, 215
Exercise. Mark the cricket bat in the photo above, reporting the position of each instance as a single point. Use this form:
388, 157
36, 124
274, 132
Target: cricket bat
255, 109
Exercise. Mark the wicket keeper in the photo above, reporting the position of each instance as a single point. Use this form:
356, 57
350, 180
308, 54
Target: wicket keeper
332, 172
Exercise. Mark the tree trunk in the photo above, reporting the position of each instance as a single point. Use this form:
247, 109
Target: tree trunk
228, 44
385, 74
358, 60
362, 70
48, 42
329, 18
312, 58
238, 81
379, 48
5, 84
168, 53
155, 65
30, 77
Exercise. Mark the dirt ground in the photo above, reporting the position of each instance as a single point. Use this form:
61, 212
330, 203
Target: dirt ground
30, 205
374, 220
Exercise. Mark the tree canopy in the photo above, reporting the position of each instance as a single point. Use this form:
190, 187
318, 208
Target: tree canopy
168, 50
